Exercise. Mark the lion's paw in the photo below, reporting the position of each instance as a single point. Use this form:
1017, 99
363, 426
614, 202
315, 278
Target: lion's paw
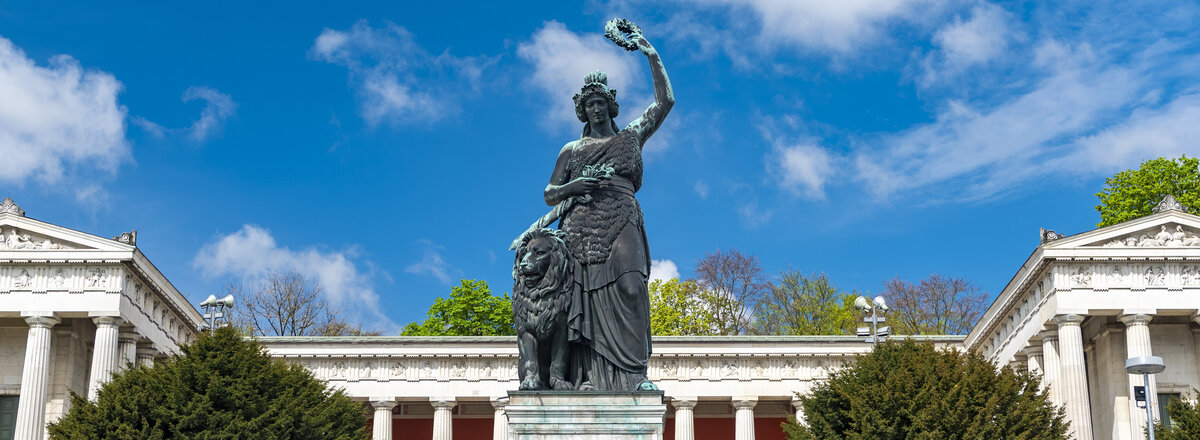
531, 384
587, 386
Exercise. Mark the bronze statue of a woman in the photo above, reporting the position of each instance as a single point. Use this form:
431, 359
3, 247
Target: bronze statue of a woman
600, 173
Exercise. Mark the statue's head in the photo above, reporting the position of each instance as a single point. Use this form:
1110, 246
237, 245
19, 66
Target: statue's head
595, 85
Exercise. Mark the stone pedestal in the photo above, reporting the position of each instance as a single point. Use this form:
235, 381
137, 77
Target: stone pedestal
577, 415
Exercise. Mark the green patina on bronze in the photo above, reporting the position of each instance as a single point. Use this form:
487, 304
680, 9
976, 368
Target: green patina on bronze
604, 342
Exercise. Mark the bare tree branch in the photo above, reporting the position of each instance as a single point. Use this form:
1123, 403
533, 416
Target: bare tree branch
736, 282
288, 304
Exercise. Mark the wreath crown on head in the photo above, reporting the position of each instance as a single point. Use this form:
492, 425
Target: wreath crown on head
595, 83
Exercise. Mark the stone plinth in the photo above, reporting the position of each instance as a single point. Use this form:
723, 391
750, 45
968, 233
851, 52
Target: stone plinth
545, 415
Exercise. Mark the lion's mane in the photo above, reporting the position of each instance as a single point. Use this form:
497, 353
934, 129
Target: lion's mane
539, 308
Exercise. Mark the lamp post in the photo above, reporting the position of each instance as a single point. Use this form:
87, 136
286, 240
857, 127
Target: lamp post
878, 305
1145, 366
220, 305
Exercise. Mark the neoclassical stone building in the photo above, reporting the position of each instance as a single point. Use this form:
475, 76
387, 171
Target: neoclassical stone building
75, 307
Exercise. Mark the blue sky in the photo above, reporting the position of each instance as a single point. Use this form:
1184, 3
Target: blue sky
390, 149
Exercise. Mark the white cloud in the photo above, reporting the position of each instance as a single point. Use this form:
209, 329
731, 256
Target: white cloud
217, 108
977, 40
831, 26
964, 44
398, 81
561, 59
58, 122
1168, 131
701, 189
433, 263
663, 270
804, 169
982, 153
251, 253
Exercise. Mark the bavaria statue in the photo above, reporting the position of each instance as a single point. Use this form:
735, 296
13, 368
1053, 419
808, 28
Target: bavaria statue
580, 294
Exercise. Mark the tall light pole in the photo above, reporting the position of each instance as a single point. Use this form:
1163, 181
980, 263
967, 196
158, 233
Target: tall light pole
220, 305
1145, 366
877, 306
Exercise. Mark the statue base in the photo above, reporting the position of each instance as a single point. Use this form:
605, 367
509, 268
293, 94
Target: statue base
585, 415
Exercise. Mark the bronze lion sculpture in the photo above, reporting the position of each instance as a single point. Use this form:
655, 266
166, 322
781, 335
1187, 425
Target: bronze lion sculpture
544, 281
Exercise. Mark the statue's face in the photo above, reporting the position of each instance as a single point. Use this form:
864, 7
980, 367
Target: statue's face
596, 108
536, 262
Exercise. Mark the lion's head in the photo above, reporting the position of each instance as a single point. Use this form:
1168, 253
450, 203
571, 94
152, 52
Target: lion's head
542, 264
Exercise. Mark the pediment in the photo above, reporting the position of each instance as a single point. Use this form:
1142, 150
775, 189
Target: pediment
23, 234
1171, 229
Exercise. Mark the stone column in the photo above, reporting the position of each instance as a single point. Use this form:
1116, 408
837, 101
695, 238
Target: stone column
443, 429
35, 378
1033, 360
685, 417
799, 412
382, 425
104, 353
145, 355
500, 418
1073, 375
1050, 364
127, 340
1137, 343
744, 417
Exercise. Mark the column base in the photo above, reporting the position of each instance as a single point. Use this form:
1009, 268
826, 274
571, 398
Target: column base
595, 415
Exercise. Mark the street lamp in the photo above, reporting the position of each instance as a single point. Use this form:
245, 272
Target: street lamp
1145, 366
220, 305
878, 305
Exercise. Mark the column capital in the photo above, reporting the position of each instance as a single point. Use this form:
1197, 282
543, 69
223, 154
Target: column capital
797, 404
128, 335
107, 321
1068, 319
745, 402
383, 403
1032, 350
683, 402
42, 321
499, 402
1135, 319
1048, 335
443, 402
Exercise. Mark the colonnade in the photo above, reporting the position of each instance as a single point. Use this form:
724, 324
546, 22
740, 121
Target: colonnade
1060, 359
112, 349
684, 417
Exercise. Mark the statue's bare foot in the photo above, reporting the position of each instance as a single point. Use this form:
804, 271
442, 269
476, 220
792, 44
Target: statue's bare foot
586, 386
647, 385
559, 384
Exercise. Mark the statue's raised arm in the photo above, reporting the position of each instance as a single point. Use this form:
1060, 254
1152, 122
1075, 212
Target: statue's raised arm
664, 97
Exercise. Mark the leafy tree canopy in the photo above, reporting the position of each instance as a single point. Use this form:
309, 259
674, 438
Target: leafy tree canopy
681, 308
1134, 193
471, 310
906, 390
805, 305
223, 386
1185, 421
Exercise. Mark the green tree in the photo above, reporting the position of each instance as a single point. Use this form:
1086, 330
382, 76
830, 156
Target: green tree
681, 308
805, 305
1134, 193
471, 310
223, 386
1185, 421
906, 390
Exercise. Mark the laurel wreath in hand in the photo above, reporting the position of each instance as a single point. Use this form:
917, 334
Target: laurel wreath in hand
619, 29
